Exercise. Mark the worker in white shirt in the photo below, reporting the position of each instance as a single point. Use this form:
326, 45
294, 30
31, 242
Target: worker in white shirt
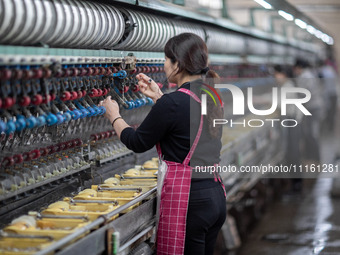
330, 84
305, 78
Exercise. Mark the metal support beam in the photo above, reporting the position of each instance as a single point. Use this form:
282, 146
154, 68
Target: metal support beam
251, 14
179, 2
224, 10
253, 10
289, 24
272, 25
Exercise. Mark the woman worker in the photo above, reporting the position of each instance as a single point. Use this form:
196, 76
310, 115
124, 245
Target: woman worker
193, 206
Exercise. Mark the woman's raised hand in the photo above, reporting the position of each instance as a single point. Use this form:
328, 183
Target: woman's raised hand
112, 108
148, 87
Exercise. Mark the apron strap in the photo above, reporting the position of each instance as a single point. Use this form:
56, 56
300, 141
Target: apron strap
159, 151
193, 148
199, 132
190, 93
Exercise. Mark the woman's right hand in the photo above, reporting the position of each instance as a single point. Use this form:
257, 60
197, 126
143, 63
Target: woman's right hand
149, 89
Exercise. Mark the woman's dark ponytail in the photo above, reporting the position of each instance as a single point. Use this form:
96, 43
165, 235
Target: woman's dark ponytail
191, 54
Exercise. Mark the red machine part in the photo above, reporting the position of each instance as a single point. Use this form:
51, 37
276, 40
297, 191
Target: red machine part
99, 92
8, 102
65, 96
93, 93
17, 74
37, 99
27, 156
24, 101
124, 89
53, 96
5, 74
46, 99
79, 94
37, 73
74, 95
43, 151
135, 88
18, 158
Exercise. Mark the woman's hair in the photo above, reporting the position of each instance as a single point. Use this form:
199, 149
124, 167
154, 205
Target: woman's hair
286, 70
191, 54
302, 63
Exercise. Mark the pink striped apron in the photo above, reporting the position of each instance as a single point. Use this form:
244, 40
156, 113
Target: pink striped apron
175, 198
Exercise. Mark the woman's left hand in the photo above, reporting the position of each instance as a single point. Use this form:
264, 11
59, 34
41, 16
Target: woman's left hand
112, 108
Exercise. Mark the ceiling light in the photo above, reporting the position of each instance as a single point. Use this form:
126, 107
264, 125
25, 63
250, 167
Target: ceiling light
330, 41
324, 38
311, 29
318, 34
286, 15
301, 23
264, 4
327, 39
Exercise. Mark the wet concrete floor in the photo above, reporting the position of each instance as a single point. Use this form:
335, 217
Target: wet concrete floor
303, 224
299, 225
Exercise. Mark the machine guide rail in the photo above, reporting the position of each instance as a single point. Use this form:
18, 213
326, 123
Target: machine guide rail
47, 216
100, 188
76, 201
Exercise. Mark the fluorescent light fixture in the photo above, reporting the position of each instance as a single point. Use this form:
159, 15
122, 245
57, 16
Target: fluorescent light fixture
324, 38
301, 23
264, 4
318, 34
311, 29
286, 15
327, 39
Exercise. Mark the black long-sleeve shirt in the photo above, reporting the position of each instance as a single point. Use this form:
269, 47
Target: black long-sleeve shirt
173, 121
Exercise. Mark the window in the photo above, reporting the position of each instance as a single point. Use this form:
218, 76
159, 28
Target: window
213, 4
